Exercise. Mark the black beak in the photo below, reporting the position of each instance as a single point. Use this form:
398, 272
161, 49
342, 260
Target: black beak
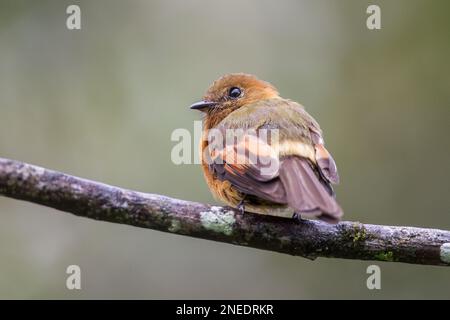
202, 105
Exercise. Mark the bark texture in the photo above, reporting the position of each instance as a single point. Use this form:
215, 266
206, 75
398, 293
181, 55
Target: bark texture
309, 239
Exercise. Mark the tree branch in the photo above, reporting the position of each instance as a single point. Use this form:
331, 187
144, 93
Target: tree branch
310, 239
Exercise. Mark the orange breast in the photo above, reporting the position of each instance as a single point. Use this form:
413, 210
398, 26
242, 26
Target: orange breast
221, 190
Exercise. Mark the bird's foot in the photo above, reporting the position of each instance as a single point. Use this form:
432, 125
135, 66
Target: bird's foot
297, 217
241, 207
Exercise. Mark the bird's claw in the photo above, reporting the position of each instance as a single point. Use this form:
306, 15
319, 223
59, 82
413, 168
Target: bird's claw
297, 217
241, 207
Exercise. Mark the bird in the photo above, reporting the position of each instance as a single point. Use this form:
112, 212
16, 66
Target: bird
288, 175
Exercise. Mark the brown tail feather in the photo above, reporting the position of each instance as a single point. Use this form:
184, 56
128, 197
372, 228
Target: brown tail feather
305, 193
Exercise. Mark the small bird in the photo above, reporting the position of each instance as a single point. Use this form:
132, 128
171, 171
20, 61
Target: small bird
298, 185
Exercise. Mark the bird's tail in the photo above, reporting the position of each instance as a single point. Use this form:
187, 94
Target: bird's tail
306, 193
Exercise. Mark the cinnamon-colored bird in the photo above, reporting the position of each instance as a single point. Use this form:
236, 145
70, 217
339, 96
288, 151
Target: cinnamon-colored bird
288, 174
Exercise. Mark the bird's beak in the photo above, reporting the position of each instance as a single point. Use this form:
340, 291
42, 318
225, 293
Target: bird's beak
202, 105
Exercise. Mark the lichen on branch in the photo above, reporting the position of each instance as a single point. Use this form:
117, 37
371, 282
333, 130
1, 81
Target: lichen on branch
309, 239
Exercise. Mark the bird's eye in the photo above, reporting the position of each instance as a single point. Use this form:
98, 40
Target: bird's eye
234, 92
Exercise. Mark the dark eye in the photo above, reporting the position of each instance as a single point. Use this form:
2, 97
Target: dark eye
234, 92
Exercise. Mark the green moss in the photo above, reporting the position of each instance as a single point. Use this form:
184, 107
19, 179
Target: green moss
175, 226
360, 233
356, 235
385, 256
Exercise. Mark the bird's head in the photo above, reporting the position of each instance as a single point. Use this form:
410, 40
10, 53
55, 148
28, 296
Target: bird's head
231, 92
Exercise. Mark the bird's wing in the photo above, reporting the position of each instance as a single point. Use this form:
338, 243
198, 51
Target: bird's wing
305, 193
250, 164
295, 125
254, 167
325, 162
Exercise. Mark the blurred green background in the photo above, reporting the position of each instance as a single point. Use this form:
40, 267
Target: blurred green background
102, 102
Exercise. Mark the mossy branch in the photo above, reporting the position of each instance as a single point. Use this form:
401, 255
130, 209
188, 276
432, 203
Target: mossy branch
310, 239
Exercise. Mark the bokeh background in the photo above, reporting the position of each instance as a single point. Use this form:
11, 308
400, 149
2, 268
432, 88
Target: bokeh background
102, 102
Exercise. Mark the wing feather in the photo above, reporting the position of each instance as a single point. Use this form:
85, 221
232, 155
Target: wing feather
290, 180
